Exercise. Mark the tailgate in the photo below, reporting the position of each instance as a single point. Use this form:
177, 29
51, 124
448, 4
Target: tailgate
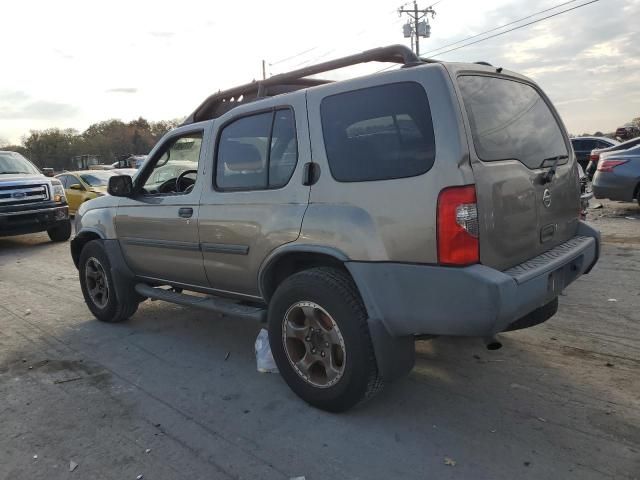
517, 139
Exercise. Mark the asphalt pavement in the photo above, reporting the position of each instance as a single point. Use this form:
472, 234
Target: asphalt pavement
174, 392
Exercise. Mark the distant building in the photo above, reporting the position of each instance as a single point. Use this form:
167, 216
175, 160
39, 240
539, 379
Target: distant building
83, 162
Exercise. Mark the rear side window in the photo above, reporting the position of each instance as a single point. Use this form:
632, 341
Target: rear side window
257, 152
510, 120
378, 133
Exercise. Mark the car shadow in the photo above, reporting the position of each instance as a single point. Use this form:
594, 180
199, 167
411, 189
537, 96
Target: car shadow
29, 241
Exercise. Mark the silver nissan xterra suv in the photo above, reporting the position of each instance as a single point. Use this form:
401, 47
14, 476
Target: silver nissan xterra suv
352, 216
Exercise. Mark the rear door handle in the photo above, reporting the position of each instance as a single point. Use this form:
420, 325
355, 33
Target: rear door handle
185, 212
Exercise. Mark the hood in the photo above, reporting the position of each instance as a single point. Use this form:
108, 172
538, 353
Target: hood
102, 190
107, 201
18, 177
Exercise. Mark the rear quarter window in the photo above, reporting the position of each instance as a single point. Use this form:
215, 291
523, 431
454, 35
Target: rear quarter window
510, 120
378, 133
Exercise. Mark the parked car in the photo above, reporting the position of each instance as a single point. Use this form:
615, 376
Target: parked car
595, 154
126, 171
627, 132
586, 192
30, 202
84, 185
130, 161
618, 176
583, 146
352, 216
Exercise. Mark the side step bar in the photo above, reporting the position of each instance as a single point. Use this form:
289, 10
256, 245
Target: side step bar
214, 304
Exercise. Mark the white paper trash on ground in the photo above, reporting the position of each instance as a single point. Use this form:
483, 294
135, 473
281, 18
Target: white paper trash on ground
264, 358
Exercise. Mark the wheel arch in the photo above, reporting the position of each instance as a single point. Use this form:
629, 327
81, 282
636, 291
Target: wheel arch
288, 260
395, 356
80, 240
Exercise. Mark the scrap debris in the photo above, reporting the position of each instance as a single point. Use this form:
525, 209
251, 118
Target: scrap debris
449, 461
72, 466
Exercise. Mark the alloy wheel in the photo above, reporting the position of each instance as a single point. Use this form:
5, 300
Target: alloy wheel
96, 282
314, 344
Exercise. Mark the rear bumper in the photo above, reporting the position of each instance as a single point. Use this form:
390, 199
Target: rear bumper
616, 185
471, 301
32, 221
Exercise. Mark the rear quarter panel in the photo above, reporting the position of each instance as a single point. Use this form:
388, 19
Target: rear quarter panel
387, 220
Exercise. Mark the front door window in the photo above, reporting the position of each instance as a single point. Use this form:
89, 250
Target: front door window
176, 168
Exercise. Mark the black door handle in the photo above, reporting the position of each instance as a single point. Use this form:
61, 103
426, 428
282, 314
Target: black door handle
185, 212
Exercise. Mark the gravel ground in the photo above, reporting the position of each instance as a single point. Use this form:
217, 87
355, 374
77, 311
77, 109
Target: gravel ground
174, 392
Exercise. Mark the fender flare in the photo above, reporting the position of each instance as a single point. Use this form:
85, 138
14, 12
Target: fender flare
395, 356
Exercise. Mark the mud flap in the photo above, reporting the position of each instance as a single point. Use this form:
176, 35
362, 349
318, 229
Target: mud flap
395, 356
123, 277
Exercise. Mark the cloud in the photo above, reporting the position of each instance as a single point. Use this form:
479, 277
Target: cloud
38, 110
13, 96
162, 34
587, 60
122, 90
63, 54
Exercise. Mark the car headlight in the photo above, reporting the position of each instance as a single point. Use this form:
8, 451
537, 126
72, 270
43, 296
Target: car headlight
58, 192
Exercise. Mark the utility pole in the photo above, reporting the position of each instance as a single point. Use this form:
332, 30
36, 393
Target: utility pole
264, 70
418, 28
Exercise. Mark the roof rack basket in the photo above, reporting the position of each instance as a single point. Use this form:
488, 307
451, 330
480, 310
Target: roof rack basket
223, 101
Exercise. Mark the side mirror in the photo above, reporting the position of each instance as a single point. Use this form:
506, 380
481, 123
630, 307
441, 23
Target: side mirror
120, 186
76, 186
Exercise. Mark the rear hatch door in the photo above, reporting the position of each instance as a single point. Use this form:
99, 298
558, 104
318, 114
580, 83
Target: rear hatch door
516, 139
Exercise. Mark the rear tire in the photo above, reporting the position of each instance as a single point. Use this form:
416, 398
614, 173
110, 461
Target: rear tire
329, 297
98, 287
61, 232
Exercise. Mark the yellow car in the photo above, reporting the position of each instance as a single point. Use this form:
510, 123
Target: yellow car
82, 186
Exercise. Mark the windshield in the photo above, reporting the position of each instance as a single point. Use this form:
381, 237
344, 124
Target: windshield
96, 179
12, 162
510, 120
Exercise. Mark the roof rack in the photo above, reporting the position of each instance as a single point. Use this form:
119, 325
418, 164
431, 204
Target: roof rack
223, 101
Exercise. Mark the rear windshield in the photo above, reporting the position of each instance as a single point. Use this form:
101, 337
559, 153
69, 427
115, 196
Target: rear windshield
509, 120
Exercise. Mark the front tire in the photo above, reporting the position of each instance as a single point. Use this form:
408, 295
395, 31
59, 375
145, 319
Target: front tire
320, 339
61, 232
98, 287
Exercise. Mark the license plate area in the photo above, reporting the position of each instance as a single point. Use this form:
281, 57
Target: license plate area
558, 279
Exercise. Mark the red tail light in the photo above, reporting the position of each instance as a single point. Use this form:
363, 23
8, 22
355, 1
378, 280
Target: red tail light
609, 165
458, 226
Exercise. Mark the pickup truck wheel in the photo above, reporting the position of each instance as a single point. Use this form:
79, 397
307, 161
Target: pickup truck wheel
61, 232
320, 339
98, 288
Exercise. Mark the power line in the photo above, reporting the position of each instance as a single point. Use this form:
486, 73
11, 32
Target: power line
334, 46
417, 28
297, 55
506, 31
501, 26
519, 27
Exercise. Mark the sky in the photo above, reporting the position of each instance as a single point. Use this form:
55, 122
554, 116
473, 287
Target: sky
71, 63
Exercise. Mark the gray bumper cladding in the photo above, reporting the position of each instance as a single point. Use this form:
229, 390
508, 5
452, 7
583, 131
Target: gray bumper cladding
471, 301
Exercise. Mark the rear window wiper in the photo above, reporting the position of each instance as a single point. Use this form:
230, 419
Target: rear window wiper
548, 176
